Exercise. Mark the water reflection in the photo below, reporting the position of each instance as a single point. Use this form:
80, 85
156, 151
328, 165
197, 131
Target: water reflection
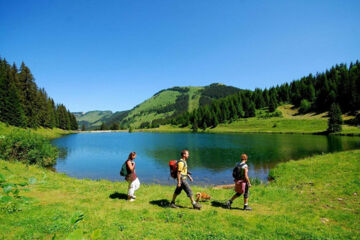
212, 156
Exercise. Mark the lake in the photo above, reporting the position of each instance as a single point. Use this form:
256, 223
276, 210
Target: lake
212, 156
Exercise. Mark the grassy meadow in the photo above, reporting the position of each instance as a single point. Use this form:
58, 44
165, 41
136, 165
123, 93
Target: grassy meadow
313, 198
290, 122
45, 132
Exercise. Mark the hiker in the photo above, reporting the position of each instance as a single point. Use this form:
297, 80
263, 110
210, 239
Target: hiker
242, 182
182, 184
131, 177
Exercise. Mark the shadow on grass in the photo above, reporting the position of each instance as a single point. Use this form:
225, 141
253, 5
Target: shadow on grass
118, 196
164, 203
222, 205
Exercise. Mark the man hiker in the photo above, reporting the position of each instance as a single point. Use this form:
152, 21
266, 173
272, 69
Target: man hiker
182, 184
242, 182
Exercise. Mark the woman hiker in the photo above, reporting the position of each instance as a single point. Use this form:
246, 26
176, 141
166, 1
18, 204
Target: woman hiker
242, 182
131, 177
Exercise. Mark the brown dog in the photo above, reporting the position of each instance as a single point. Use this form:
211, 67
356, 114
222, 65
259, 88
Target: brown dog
201, 196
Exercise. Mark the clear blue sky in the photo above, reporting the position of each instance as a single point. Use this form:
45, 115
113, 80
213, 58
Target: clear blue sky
112, 55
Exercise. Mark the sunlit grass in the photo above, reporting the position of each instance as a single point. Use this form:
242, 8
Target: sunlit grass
45, 132
314, 198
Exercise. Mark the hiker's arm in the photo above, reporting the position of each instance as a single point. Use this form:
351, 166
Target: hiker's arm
190, 178
178, 179
130, 166
247, 177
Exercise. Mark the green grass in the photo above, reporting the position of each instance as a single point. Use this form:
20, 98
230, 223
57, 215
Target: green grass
273, 125
291, 122
314, 198
145, 111
45, 132
194, 97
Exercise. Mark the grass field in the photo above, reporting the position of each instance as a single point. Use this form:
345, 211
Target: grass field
45, 132
290, 122
313, 198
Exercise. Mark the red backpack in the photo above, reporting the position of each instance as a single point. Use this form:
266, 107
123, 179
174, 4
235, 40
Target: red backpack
173, 164
173, 168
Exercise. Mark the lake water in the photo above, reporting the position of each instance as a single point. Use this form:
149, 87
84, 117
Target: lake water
212, 156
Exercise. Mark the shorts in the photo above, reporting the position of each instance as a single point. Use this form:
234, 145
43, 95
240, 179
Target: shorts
246, 193
184, 185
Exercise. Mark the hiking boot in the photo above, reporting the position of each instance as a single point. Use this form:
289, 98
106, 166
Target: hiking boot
197, 206
173, 205
228, 205
247, 208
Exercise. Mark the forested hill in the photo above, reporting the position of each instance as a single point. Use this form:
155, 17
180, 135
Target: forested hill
338, 88
94, 119
23, 104
164, 105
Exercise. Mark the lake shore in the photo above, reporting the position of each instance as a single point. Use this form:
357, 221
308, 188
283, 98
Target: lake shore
300, 203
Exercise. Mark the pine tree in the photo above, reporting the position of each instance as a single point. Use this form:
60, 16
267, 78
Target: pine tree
28, 90
335, 119
11, 110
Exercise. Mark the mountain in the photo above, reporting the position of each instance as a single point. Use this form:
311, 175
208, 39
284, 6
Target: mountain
165, 104
92, 119
172, 102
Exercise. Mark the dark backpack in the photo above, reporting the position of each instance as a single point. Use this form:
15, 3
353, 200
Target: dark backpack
123, 170
238, 171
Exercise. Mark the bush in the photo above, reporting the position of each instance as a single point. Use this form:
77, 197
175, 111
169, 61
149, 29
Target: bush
305, 106
27, 147
335, 119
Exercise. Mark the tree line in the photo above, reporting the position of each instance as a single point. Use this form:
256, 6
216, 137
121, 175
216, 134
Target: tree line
23, 104
340, 85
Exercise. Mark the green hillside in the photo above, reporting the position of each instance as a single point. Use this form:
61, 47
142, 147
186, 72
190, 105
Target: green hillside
172, 102
92, 119
165, 104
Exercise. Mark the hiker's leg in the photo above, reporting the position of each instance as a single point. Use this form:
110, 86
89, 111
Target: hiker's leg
246, 195
188, 191
228, 204
176, 193
131, 189
174, 197
136, 184
236, 195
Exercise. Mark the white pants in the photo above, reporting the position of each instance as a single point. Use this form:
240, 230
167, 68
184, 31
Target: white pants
133, 186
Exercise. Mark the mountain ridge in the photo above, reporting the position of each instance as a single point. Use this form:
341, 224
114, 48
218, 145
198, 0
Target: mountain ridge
164, 104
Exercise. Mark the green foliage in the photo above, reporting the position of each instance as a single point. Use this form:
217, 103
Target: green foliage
335, 118
23, 104
76, 218
103, 127
305, 106
131, 129
27, 147
115, 126
11, 202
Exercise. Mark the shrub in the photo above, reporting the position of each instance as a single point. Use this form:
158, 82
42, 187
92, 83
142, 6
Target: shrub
27, 147
305, 106
335, 118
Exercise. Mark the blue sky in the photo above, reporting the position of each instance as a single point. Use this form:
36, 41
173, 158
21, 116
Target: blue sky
112, 55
